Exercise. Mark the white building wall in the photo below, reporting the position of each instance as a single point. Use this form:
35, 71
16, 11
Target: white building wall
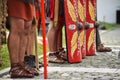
106, 10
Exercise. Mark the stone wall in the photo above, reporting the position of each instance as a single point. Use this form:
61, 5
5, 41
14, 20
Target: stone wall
3, 14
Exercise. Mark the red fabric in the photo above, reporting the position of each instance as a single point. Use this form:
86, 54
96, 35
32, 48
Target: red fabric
37, 14
52, 2
19, 9
52, 7
37, 8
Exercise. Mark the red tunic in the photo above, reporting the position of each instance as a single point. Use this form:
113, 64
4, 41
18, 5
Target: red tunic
37, 8
19, 9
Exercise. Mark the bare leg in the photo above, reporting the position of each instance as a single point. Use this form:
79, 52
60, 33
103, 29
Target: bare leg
59, 37
30, 44
24, 39
30, 58
53, 34
14, 39
52, 37
31, 38
60, 48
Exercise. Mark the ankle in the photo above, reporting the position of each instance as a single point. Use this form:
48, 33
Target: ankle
14, 65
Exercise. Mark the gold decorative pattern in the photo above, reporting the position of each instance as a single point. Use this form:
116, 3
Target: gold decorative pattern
71, 10
91, 11
91, 39
74, 42
81, 38
81, 11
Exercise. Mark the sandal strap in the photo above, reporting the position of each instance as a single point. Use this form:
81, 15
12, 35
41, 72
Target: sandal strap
55, 58
29, 69
18, 71
55, 54
62, 53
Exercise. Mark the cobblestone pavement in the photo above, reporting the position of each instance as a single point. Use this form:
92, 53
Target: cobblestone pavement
112, 37
102, 66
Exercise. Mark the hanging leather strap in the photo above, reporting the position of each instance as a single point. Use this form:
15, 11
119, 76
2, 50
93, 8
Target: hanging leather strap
56, 11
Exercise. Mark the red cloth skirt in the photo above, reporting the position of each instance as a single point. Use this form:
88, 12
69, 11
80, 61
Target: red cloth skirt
19, 9
52, 7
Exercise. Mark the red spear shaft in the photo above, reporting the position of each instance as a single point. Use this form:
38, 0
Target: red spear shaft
44, 38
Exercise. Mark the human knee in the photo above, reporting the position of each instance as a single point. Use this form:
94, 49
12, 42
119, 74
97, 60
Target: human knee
31, 32
17, 26
23, 32
28, 27
16, 31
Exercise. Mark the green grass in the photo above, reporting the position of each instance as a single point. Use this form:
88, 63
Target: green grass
108, 26
5, 55
63, 36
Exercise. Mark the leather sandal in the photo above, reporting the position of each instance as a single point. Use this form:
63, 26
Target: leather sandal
55, 58
17, 71
62, 53
29, 69
101, 48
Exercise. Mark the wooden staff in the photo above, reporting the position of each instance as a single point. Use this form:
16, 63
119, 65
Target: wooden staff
36, 49
35, 37
36, 46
